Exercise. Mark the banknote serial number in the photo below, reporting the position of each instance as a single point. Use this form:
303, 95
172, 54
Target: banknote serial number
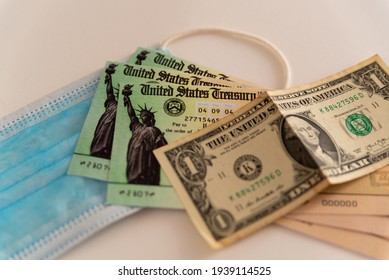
262, 181
339, 203
236, 271
341, 103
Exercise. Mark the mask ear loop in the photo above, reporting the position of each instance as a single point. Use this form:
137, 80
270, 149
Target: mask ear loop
241, 35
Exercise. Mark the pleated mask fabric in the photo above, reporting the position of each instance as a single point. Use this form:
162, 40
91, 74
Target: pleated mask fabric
43, 211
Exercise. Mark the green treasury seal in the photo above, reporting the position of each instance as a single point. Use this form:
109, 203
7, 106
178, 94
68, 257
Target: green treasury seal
359, 124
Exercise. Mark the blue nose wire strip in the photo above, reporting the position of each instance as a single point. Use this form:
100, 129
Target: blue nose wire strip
43, 211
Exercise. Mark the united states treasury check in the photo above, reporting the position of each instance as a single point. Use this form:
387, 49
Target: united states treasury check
151, 114
93, 151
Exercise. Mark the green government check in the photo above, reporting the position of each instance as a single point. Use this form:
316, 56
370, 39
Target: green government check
151, 114
93, 151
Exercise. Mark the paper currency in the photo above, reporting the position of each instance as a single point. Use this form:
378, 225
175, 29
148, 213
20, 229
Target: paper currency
367, 244
264, 161
341, 121
93, 152
236, 177
150, 115
150, 57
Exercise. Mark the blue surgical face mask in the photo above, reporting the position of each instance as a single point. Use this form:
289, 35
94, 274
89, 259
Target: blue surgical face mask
44, 211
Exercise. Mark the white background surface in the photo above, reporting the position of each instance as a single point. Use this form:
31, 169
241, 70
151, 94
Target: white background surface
45, 45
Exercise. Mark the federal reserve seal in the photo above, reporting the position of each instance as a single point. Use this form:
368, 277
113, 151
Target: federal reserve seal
247, 167
174, 107
359, 124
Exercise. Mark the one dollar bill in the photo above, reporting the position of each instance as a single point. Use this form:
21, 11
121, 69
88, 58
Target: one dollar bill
255, 166
235, 177
340, 120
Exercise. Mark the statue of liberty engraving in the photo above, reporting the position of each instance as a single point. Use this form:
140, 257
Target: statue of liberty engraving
101, 145
142, 165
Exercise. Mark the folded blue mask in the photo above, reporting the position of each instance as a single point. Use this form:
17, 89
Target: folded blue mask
44, 211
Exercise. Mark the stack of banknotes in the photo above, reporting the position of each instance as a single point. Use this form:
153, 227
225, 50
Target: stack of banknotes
164, 132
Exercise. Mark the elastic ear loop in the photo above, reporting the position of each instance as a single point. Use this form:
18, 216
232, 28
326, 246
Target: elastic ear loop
260, 41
